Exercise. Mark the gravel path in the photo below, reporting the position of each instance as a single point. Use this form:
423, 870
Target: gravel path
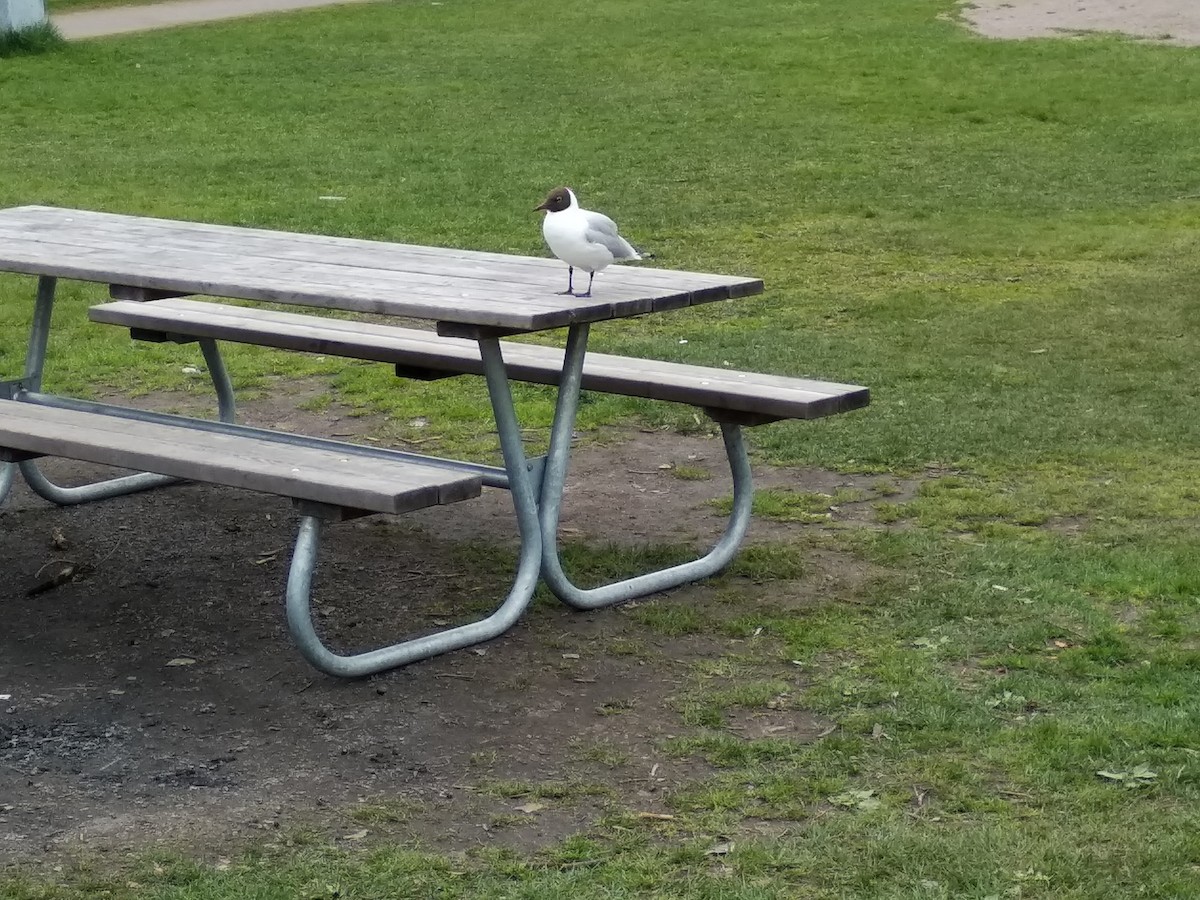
90, 23
1169, 21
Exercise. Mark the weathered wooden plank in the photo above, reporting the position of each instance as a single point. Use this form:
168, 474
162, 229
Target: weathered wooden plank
495, 290
478, 293
311, 285
215, 268
84, 265
745, 392
428, 279
84, 226
530, 271
334, 477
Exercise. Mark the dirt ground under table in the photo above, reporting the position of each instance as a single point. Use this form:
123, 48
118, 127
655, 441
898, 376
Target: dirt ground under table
156, 696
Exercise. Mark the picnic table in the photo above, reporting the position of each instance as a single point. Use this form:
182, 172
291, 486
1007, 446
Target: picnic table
154, 267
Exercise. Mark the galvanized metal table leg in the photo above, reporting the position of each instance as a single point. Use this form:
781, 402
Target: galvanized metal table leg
86, 493
299, 586
35, 362
226, 404
35, 356
39, 332
7, 471
551, 505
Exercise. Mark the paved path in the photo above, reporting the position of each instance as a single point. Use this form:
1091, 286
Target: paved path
1169, 21
91, 23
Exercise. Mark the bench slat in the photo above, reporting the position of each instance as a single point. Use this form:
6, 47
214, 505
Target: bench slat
718, 389
331, 477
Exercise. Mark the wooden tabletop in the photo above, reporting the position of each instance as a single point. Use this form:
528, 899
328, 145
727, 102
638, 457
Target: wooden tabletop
459, 287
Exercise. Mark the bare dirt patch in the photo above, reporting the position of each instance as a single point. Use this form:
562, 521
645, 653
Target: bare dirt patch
156, 697
1165, 21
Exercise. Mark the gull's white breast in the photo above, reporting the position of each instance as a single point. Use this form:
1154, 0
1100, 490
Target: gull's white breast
566, 234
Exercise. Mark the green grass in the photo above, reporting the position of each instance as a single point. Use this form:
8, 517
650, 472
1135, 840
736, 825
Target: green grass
30, 41
1000, 239
388, 811
790, 505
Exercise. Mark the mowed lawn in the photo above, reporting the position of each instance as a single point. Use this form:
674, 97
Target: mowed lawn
1001, 239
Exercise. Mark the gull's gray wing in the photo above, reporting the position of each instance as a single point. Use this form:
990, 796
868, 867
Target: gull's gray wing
603, 230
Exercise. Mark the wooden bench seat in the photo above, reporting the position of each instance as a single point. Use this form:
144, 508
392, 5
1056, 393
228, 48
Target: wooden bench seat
336, 478
744, 397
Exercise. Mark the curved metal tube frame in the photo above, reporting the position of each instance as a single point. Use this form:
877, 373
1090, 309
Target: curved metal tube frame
664, 579
143, 481
35, 363
554, 476
299, 586
7, 470
86, 493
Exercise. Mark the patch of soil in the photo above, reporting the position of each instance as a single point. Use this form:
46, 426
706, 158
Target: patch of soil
780, 724
156, 697
1165, 21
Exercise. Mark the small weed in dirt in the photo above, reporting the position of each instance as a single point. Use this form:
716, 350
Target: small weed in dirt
627, 647
711, 708
691, 473
888, 513
768, 562
546, 790
615, 706
508, 820
671, 619
702, 713
592, 562
787, 504
885, 488
387, 811
604, 753
483, 759
317, 402
770, 694
518, 682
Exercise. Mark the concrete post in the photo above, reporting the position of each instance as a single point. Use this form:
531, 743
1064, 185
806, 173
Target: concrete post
16, 15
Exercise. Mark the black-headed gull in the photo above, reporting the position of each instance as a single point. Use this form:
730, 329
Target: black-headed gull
580, 237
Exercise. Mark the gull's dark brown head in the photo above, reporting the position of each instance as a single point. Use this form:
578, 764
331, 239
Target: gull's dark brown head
558, 200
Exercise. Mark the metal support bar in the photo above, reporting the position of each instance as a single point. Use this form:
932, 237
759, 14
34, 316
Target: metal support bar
7, 471
537, 471
35, 364
39, 332
226, 404
86, 493
664, 579
35, 357
299, 586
